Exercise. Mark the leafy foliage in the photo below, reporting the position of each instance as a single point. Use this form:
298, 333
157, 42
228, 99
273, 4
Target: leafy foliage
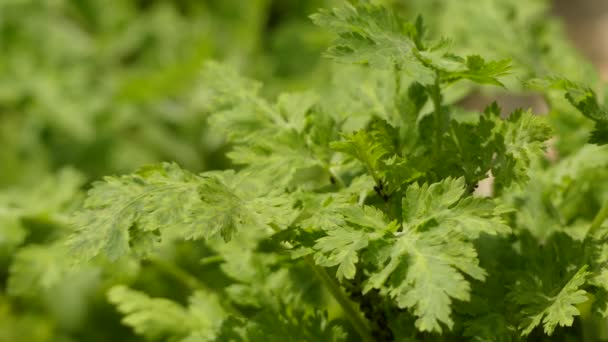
585, 100
159, 318
345, 211
557, 310
376, 36
138, 206
433, 249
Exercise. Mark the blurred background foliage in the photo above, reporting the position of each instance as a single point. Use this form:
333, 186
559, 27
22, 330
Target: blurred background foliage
97, 87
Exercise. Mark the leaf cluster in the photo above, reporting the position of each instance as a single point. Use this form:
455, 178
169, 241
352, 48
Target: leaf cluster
350, 210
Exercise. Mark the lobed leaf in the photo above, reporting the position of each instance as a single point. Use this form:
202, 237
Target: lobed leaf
425, 264
131, 213
551, 310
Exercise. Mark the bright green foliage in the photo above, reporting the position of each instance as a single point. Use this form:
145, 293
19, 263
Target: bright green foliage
376, 36
344, 242
433, 248
346, 207
37, 267
30, 327
13, 233
523, 135
273, 140
561, 195
443, 204
293, 327
373, 147
159, 318
207, 318
24, 209
121, 203
384, 203
559, 309
129, 214
369, 34
585, 100
433, 277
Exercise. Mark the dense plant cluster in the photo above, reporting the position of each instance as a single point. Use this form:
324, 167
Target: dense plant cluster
335, 201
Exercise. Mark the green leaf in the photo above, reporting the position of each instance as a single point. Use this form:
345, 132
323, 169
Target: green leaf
424, 273
367, 35
38, 267
293, 326
341, 247
480, 71
375, 35
275, 155
470, 150
582, 98
12, 232
240, 111
370, 146
131, 213
225, 210
343, 244
441, 205
160, 319
551, 310
294, 107
154, 197
278, 141
489, 328
586, 101
425, 263
49, 198
524, 136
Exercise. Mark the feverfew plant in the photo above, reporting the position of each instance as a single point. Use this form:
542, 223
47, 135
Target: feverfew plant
351, 211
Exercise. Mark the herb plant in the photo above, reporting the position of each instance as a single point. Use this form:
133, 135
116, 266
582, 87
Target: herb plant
351, 211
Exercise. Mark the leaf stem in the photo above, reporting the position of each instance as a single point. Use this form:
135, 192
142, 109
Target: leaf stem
599, 218
214, 259
352, 315
189, 281
330, 283
397, 80
435, 94
178, 273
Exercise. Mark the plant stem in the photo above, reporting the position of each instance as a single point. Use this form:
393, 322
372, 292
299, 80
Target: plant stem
435, 94
358, 323
352, 315
214, 259
330, 283
397, 80
178, 273
189, 281
598, 220
588, 322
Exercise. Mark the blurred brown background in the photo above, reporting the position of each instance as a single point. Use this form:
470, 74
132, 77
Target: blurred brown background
587, 24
